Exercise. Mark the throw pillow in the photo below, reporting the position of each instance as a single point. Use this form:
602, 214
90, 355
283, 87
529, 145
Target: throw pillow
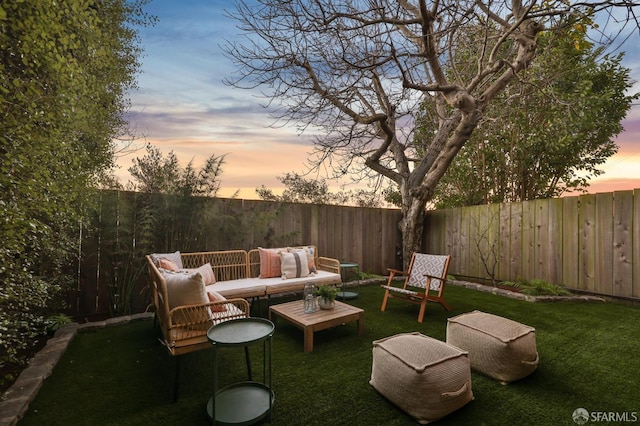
185, 289
206, 271
167, 264
214, 296
270, 262
174, 257
310, 252
294, 265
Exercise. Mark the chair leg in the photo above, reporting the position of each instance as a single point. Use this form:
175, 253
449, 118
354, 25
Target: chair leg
441, 301
423, 307
176, 383
445, 304
384, 300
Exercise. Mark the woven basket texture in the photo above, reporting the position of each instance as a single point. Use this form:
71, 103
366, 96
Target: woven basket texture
423, 376
498, 347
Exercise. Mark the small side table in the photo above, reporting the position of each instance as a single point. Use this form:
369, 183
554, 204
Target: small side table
344, 267
249, 402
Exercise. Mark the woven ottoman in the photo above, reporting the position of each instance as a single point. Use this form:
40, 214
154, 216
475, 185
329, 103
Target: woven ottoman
425, 377
498, 347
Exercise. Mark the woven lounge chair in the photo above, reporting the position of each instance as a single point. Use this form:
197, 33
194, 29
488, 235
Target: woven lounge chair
425, 281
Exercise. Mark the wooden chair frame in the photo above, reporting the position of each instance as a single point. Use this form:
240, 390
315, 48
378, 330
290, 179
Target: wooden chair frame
421, 297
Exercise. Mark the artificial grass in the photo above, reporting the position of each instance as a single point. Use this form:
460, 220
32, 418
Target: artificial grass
121, 375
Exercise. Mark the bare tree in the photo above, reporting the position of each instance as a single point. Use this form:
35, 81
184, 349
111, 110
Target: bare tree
356, 72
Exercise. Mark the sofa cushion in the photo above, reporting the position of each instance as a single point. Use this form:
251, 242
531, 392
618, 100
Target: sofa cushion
270, 262
185, 289
168, 264
214, 296
294, 264
243, 287
174, 257
206, 271
311, 258
278, 285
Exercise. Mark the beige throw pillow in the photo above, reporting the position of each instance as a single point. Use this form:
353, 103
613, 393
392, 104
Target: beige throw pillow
310, 252
294, 265
185, 289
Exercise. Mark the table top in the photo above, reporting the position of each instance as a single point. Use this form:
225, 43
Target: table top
240, 331
294, 311
349, 265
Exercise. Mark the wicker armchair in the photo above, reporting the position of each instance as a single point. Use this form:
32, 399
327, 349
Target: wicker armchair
184, 328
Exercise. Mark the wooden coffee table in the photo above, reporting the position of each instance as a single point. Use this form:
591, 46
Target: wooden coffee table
319, 320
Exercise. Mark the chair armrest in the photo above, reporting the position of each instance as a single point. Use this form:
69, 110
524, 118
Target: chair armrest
204, 315
434, 277
328, 264
393, 273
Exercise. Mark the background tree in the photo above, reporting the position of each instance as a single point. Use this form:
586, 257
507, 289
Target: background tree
358, 71
561, 117
154, 173
316, 191
65, 71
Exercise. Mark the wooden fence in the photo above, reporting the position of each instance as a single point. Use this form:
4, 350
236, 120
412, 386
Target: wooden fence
589, 243
128, 225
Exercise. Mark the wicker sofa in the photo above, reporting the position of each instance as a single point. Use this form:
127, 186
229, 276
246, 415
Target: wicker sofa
237, 275
237, 278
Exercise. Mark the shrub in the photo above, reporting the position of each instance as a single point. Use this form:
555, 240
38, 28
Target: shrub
537, 287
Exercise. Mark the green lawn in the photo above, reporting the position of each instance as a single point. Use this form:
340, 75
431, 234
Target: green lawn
121, 375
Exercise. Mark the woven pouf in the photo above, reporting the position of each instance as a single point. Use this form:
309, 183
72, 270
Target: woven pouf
498, 347
425, 377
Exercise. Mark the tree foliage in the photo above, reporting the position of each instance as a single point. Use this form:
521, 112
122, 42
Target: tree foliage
358, 71
545, 134
154, 173
66, 68
316, 191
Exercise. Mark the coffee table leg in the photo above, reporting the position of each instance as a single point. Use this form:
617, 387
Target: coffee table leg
361, 323
308, 339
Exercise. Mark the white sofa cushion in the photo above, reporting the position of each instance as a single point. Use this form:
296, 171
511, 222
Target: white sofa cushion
244, 287
277, 285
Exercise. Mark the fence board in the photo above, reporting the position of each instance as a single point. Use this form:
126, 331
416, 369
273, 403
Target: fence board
570, 242
515, 256
635, 243
587, 242
622, 243
528, 239
604, 244
504, 260
554, 256
541, 239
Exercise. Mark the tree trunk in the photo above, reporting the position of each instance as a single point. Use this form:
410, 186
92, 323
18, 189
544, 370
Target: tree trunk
411, 226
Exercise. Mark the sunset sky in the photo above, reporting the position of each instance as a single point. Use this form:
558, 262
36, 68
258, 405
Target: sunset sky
182, 105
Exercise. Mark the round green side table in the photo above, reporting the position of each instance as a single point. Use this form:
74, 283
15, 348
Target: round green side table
248, 402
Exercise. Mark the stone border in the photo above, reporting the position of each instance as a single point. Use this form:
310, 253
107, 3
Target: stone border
525, 297
15, 401
493, 290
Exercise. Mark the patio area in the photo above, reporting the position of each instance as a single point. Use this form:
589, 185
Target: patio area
120, 374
